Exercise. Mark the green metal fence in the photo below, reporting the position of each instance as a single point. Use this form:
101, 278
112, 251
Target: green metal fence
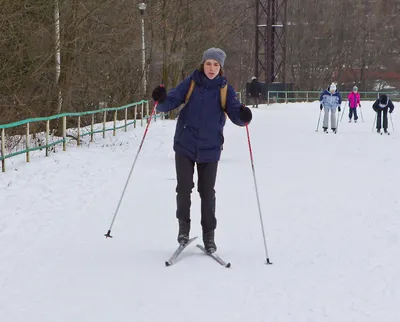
139, 109
309, 96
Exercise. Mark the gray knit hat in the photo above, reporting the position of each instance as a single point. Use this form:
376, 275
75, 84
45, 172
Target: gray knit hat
216, 54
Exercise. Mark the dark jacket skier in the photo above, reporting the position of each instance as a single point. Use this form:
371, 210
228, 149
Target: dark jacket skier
199, 138
381, 106
254, 91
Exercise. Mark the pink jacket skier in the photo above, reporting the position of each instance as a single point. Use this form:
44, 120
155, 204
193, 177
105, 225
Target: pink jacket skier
354, 102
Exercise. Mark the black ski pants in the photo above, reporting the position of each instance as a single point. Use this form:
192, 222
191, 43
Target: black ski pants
379, 113
206, 173
353, 111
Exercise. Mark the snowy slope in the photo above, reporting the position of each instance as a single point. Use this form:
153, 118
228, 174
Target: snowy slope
330, 208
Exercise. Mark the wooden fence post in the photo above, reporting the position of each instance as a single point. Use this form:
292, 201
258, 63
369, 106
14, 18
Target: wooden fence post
141, 114
126, 118
134, 116
147, 111
64, 133
92, 129
3, 150
79, 130
115, 122
27, 142
104, 124
47, 137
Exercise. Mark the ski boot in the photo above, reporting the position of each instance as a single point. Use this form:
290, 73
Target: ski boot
209, 242
184, 230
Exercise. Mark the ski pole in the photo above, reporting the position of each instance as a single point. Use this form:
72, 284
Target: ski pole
258, 199
343, 112
362, 118
391, 120
108, 235
373, 125
319, 118
337, 122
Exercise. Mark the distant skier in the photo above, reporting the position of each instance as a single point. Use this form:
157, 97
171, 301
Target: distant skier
354, 102
330, 99
199, 138
381, 106
254, 91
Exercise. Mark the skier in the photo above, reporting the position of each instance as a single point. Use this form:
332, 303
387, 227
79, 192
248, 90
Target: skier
381, 106
254, 91
199, 138
330, 99
354, 101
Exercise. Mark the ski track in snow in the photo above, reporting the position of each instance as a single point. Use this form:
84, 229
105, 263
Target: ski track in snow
329, 203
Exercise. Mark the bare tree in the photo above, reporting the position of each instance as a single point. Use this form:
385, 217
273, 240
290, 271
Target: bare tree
73, 55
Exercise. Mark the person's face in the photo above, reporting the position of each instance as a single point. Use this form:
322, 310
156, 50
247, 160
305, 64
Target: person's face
211, 68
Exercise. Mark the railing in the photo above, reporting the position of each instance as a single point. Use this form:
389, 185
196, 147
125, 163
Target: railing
50, 139
309, 96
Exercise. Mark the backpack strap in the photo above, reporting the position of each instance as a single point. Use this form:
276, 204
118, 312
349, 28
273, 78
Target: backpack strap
190, 91
223, 93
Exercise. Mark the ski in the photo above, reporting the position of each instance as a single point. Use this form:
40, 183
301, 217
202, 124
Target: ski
178, 251
215, 256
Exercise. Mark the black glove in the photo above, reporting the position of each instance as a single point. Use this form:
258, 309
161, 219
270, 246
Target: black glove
338, 108
320, 107
359, 105
245, 114
159, 94
390, 111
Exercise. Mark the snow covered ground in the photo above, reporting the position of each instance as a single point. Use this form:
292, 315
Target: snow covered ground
330, 206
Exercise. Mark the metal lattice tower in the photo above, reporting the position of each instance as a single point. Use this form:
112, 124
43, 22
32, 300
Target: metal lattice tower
270, 41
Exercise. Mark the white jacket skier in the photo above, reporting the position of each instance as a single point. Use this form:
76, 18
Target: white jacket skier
330, 99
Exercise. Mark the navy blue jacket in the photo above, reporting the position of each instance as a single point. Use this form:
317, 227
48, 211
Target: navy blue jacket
199, 129
389, 105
